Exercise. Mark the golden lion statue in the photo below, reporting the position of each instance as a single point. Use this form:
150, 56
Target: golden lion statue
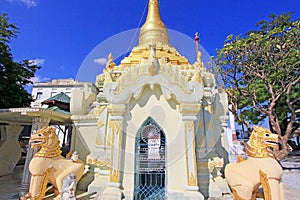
261, 168
48, 165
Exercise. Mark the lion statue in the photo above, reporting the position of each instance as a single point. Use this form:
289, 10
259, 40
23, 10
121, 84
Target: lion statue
47, 165
261, 168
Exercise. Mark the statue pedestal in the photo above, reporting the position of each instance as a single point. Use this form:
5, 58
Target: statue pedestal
214, 190
223, 185
100, 182
112, 192
193, 195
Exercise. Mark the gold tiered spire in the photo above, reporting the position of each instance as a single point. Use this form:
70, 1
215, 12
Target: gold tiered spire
154, 30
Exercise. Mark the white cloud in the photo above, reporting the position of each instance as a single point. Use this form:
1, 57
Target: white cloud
35, 79
101, 61
27, 3
38, 61
38, 79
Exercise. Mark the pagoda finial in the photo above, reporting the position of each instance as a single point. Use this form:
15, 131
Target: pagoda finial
197, 42
154, 30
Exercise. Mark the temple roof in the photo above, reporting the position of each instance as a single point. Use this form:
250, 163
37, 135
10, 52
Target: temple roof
61, 97
58, 103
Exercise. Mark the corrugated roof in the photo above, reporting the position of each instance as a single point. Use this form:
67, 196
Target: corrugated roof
57, 109
61, 97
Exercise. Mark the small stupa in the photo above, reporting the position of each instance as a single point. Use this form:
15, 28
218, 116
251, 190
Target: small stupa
156, 128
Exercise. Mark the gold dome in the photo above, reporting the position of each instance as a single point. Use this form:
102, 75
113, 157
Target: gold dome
154, 30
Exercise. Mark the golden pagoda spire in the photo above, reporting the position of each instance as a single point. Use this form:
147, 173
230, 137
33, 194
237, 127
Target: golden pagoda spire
154, 30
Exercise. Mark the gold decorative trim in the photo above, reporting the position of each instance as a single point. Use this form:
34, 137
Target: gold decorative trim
98, 140
236, 195
257, 153
192, 180
240, 159
117, 129
114, 175
191, 175
202, 165
265, 184
44, 182
208, 108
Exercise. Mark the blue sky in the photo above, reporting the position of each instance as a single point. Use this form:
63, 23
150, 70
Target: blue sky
60, 34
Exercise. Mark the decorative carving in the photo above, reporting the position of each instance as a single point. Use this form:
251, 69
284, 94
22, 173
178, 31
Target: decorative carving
199, 63
48, 165
192, 93
153, 64
110, 63
260, 168
116, 112
101, 161
116, 127
99, 111
197, 77
188, 120
217, 164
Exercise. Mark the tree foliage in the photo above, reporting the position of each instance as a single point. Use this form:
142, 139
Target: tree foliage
13, 75
260, 72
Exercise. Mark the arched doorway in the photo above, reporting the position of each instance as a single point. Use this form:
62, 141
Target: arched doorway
150, 162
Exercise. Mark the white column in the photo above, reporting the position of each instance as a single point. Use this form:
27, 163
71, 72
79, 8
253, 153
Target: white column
37, 123
113, 191
10, 151
189, 113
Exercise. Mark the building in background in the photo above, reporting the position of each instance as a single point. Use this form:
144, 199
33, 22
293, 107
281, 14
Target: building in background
45, 90
55, 95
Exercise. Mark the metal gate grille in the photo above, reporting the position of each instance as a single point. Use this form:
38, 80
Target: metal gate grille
151, 187
150, 177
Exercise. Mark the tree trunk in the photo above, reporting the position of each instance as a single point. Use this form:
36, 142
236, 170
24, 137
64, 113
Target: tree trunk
284, 149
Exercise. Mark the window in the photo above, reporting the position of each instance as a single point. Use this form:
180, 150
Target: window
53, 94
39, 95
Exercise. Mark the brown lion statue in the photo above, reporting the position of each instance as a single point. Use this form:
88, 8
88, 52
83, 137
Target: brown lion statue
47, 165
261, 168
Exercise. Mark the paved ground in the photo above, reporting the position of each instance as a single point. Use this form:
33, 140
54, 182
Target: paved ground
9, 185
291, 177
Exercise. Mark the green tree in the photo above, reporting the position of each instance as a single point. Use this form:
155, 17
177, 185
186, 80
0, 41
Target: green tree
260, 72
13, 75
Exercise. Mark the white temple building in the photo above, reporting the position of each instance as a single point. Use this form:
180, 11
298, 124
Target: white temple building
156, 129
